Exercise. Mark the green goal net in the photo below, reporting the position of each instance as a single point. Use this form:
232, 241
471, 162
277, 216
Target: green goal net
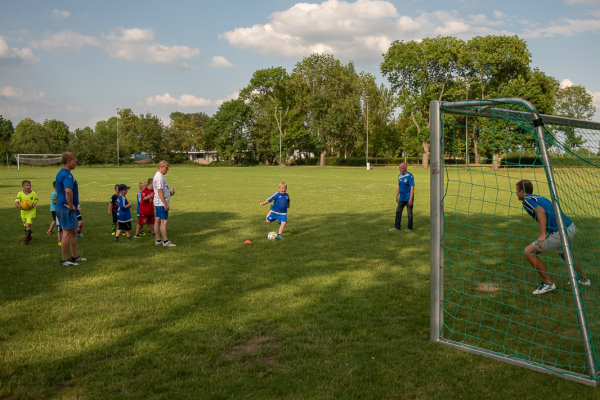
482, 283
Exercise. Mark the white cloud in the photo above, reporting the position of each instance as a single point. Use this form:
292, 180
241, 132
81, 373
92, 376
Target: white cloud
566, 83
17, 94
138, 44
66, 39
596, 101
186, 100
564, 27
220, 62
60, 14
590, 2
8, 53
133, 44
232, 96
360, 30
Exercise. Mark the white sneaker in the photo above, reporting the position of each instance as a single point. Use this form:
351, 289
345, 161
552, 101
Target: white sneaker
158, 242
168, 243
78, 259
68, 263
545, 288
585, 283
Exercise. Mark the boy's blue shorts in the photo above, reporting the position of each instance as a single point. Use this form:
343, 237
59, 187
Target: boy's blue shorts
159, 212
67, 218
280, 218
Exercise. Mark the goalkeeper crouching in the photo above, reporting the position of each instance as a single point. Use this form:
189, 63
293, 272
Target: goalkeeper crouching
541, 209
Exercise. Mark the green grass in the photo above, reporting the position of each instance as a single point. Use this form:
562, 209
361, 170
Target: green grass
337, 310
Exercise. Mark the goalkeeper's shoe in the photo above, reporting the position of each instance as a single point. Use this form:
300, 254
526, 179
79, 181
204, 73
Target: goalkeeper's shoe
545, 288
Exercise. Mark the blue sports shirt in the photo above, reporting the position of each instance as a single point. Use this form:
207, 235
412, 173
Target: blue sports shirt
123, 214
532, 201
139, 199
280, 202
405, 182
65, 180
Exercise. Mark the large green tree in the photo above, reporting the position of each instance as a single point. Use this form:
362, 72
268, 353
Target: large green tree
6, 132
574, 102
190, 129
229, 131
330, 94
32, 137
421, 71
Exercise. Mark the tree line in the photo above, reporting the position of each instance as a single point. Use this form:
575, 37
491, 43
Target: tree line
324, 107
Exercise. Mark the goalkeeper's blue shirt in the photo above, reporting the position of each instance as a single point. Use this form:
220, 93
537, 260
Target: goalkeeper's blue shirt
280, 202
532, 201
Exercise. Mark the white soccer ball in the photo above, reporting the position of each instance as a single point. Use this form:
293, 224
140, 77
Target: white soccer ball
272, 235
171, 190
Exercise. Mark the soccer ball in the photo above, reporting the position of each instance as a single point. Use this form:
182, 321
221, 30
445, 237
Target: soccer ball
171, 190
272, 235
26, 205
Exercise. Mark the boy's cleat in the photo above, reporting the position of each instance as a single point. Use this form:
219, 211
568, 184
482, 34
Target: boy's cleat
68, 263
137, 236
116, 239
130, 239
79, 235
545, 288
113, 233
158, 242
280, 237
60, 243
78, 259
168, 243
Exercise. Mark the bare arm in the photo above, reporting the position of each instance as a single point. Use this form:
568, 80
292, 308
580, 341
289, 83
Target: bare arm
412, 195
541, 219
69, 197
161, 195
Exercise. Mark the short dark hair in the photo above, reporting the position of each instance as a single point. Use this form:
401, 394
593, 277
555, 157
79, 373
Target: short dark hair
525, 186
150, 180
25, 181
67, 156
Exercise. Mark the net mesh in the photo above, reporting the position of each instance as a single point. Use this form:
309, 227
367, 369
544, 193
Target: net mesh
38, 159
488, 302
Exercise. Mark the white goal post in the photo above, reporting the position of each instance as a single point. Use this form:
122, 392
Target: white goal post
37, 159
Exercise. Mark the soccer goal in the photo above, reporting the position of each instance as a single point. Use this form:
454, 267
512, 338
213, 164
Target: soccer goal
481, 280
37, 159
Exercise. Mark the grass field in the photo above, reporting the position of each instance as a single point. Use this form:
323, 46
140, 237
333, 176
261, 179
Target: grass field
337, 310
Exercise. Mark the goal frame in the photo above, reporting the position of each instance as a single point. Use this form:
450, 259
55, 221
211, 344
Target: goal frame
19, 155
437, 228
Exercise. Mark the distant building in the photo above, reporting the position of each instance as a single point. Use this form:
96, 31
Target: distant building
202, 156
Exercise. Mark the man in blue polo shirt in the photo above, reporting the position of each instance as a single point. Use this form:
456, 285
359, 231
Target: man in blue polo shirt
404, 197
67, 199
541, 209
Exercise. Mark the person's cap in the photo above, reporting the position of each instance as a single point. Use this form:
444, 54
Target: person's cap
123, 187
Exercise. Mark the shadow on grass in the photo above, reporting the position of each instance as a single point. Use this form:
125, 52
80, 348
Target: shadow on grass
338, 291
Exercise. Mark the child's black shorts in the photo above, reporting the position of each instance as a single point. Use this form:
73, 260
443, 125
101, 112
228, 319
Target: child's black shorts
125, 226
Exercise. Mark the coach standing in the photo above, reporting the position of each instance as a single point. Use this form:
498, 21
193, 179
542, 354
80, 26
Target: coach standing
404, 197
162, 195
67, 199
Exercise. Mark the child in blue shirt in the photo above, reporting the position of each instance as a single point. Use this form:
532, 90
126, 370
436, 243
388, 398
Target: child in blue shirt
123, 214
278, 211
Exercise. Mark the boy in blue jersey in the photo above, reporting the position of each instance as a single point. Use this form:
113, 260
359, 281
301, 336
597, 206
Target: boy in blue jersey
278, 211
123, 214
404, 198
541, 209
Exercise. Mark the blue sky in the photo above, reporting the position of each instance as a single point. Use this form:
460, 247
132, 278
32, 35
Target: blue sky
78, 61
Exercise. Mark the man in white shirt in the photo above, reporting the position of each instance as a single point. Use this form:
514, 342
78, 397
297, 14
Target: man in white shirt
162, 194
